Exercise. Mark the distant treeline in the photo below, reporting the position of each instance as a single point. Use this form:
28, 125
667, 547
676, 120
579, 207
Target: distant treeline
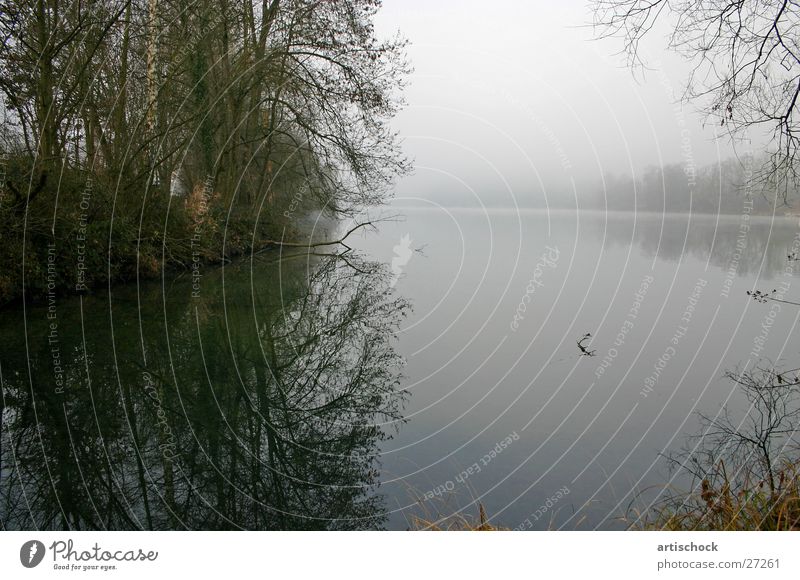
679, 188
142, 134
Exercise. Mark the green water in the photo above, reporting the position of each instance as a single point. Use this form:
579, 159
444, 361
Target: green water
252, 396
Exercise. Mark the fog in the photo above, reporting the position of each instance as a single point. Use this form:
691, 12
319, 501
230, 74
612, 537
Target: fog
518, 102
212, 321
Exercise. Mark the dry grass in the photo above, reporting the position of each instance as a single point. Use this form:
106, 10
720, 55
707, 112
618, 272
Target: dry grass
455, 523
748, 504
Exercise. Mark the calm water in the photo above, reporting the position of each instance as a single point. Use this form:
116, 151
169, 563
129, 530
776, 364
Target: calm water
439, 361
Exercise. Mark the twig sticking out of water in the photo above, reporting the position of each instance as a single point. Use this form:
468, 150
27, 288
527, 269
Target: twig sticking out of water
584, 350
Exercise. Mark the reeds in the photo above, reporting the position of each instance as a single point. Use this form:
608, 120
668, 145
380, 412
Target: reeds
719, 503
459, 522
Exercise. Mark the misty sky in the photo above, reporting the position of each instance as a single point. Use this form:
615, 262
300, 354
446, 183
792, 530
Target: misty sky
515, 98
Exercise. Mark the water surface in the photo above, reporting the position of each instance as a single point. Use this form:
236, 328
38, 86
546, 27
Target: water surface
434, 367
501, 299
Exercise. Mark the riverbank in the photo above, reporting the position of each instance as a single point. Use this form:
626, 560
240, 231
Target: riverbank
89, 239
723, 504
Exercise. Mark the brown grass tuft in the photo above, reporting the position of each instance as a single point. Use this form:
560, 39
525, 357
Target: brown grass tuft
456, 523
726, 505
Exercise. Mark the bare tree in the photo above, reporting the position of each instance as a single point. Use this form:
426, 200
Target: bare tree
768, 432
187, 111
742, 467
745, 58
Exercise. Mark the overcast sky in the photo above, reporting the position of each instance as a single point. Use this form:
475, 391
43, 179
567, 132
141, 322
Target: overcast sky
514, 97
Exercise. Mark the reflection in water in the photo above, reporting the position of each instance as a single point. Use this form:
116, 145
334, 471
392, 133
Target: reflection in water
755, 243
255, 402
476, 379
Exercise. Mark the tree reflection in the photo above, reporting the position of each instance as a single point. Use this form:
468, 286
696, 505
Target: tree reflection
753, 245
258, 402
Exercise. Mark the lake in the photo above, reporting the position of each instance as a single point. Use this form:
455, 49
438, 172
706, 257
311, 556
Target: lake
442, 363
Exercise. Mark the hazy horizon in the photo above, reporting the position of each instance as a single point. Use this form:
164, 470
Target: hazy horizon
531, 109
